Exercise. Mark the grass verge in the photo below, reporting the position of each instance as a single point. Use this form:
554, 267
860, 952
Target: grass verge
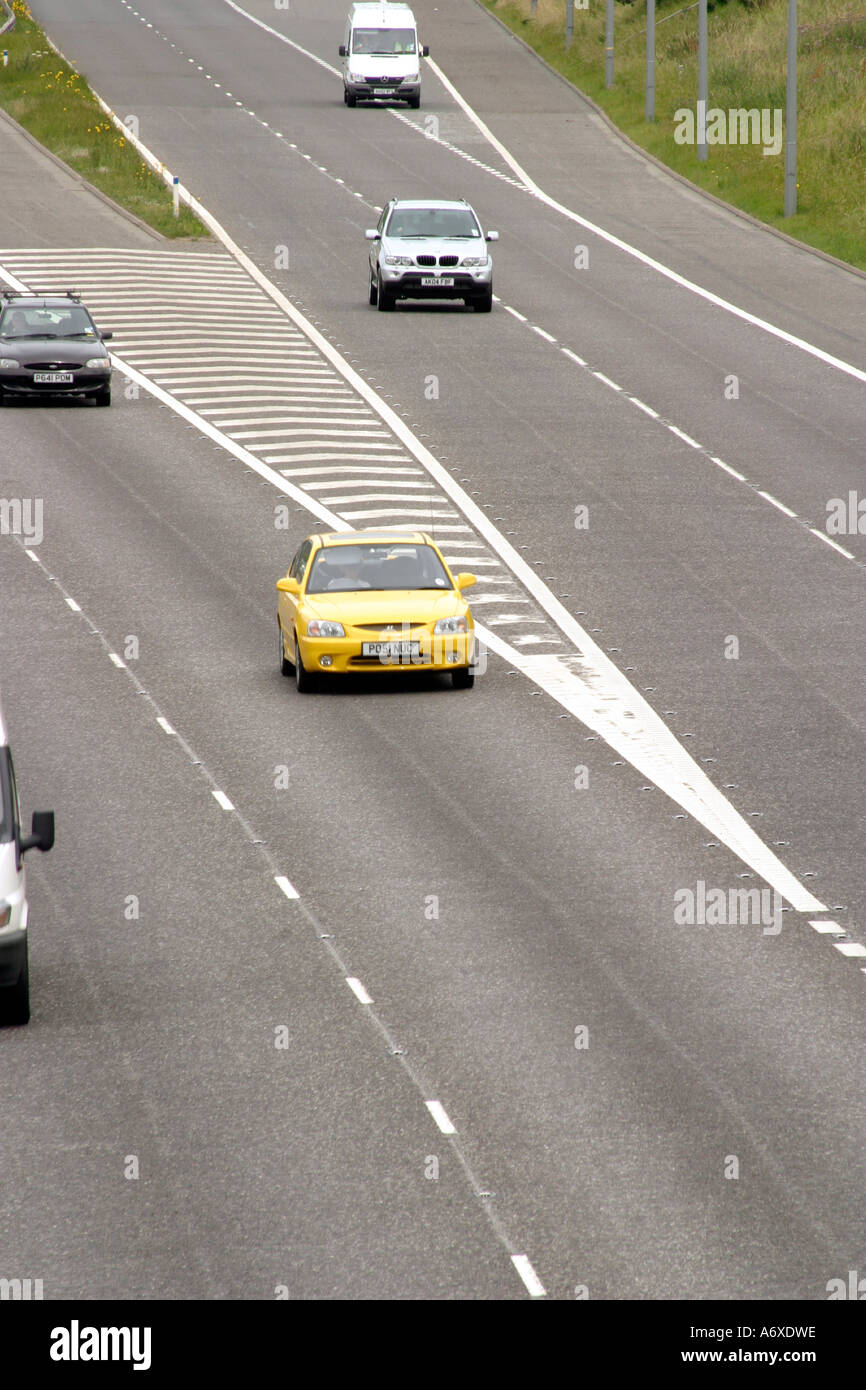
747, 69
54, 103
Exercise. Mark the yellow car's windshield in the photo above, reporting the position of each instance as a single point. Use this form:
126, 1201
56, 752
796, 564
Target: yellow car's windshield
349, 568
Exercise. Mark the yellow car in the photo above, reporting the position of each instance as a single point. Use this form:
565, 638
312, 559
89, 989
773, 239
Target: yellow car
373, 601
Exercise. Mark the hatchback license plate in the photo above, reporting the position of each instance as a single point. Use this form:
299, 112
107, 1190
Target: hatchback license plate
390, 649
437, 280
53, 378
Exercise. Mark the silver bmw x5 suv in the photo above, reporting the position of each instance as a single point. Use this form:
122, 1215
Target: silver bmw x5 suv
427, 249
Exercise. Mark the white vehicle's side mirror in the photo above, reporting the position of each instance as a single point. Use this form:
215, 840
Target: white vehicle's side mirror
492, 236
371, 234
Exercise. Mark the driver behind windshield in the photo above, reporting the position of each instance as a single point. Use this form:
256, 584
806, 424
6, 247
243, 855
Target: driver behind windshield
15, 324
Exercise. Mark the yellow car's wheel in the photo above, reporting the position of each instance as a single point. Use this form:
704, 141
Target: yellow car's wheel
285, 665
303, 680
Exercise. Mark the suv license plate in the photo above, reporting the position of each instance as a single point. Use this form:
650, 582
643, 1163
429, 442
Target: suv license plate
53, 378
390, 649
437, 280
383, 91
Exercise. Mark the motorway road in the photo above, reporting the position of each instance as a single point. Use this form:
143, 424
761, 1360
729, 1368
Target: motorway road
310, 1166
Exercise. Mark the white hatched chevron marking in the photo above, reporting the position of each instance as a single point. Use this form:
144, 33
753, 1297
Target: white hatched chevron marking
182, 317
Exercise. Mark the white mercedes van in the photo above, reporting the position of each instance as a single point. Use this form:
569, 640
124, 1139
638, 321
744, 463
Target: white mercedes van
381, 55
14, 908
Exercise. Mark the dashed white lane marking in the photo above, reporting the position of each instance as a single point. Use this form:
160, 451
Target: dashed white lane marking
854, 949
514, 313
776, 503
543, 333
528, 1275
716, 300
686, 438
741, 477
117, 661
71, 603
828, 928
165, 726
284, 884
437, 1110
358, 990
221, 799
606, 381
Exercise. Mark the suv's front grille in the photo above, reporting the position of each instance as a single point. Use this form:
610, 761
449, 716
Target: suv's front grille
448, 260
426, 260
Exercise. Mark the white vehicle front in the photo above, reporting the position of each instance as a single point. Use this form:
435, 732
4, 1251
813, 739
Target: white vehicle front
381, 55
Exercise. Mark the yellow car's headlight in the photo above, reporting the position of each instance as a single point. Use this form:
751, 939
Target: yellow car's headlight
451, 625
323, 627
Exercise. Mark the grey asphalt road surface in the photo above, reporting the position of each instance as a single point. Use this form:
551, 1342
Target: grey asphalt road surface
607, 1071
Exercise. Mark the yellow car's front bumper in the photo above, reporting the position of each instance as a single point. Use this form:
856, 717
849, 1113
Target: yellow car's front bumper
343, 655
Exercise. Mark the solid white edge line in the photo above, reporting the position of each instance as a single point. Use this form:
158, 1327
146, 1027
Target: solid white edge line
358, 989
524, 1268
437, 1110
829, 541
282, 882
221, 799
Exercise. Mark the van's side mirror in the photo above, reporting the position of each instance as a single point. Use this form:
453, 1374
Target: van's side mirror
425, 51
342, 50
42, 832
288, 586
371, 234
492, 236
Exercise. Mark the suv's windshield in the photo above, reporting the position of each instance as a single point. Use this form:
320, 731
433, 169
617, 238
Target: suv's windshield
432, 222
46, 323
347, 568
383, 41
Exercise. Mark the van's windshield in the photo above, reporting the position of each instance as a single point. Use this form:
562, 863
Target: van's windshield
383, 41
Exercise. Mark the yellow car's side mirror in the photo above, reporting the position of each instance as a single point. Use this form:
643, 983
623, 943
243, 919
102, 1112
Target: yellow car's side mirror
288, 586
465, 580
